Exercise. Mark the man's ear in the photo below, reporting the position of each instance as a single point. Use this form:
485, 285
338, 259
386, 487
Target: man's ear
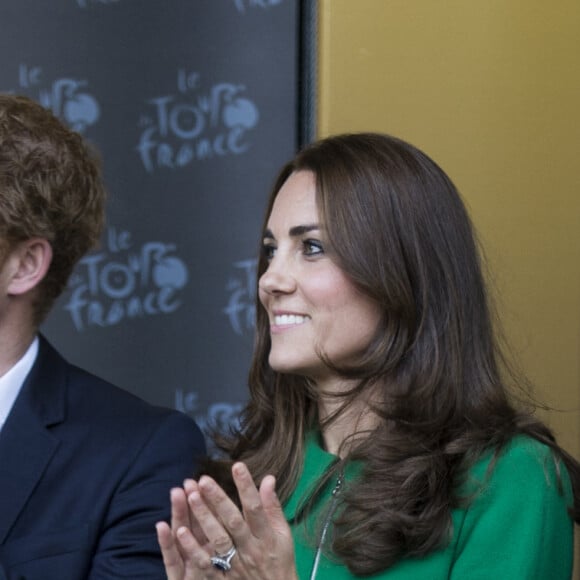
29, 262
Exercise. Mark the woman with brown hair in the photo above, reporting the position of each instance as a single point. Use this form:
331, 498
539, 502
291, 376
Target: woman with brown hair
380, 429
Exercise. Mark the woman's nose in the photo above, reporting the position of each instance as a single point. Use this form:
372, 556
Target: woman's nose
277, 280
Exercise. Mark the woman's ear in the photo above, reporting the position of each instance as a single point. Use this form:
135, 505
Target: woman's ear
29, 262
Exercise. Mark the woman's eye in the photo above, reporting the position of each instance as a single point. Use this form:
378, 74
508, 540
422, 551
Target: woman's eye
268, 251
312, 247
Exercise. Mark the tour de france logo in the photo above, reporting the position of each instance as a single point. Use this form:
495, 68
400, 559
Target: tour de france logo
219, 415
243, 5
87, 3
195, 123
241, 287
68, 98
125, 282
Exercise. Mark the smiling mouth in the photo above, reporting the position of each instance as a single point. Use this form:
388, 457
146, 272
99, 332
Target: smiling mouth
289, 319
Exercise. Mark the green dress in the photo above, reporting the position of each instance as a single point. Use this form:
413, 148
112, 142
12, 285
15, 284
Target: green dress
516, 528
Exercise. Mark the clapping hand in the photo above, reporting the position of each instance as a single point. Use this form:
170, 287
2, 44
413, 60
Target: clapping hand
210, 537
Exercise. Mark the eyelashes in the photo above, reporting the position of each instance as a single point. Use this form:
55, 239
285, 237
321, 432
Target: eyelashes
309, 248
268, 251
312, 247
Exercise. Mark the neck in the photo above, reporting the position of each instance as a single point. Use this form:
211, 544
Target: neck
356, 418
14, 341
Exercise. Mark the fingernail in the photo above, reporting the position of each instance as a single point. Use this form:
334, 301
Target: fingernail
206, 483
239, 469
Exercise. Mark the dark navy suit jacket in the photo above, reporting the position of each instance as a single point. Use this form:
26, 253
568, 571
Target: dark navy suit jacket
85, 472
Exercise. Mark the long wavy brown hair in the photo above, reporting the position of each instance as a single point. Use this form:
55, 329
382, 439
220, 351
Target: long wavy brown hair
398, 228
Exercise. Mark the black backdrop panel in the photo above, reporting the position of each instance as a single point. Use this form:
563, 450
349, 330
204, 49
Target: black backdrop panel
193, 107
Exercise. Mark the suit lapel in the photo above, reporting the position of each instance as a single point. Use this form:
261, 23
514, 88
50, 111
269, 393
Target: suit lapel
26, 443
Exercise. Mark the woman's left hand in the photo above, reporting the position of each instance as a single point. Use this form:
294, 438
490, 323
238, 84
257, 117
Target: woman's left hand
259, 534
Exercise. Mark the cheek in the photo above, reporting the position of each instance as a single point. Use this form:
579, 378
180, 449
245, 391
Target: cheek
333, 292
355, 314
328, 290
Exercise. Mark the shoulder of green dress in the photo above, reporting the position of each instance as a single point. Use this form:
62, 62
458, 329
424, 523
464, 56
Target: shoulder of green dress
523, 461
516, 522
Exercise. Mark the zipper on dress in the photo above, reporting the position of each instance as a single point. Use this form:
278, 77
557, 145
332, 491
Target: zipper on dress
329, 513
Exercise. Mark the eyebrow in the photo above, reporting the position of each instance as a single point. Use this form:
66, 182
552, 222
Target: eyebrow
295, 231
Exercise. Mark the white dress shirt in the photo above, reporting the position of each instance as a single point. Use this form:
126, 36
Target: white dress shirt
12, 381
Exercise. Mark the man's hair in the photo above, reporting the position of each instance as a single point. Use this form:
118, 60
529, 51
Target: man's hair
50, 187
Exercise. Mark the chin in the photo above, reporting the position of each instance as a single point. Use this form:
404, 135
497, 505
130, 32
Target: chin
284, 368
285, 365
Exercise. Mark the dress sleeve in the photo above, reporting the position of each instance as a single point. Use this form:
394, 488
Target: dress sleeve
518, 525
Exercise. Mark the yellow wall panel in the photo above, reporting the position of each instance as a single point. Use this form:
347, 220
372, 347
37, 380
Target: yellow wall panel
491, 90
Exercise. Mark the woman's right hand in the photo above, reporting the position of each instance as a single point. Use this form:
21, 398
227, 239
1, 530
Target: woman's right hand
205, 522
